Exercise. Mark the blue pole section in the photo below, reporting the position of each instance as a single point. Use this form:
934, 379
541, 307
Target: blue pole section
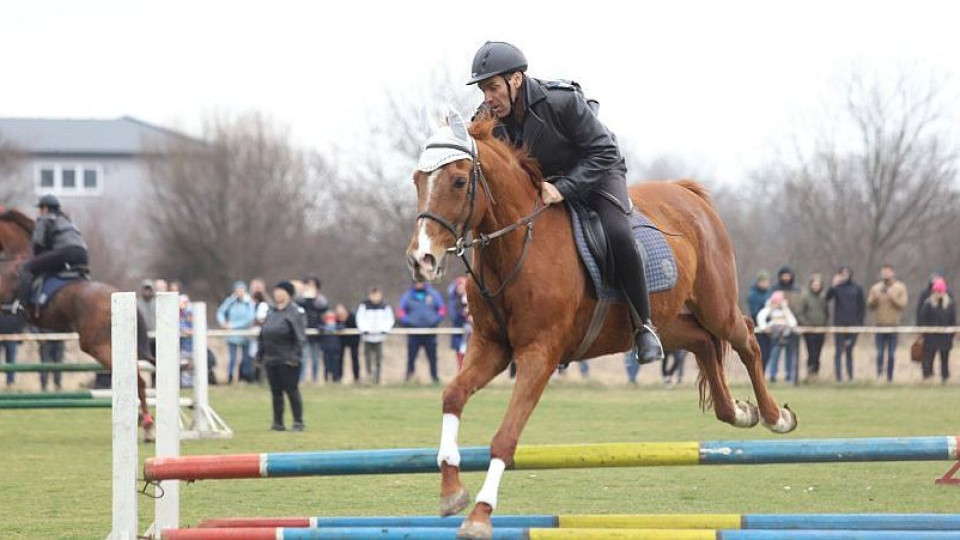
863, 522
393, 461
828, 450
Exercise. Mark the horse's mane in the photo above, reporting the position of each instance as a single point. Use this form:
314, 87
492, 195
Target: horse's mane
482, 130
18, 218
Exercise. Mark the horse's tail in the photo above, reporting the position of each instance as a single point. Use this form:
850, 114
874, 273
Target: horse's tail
143, 340
721, 349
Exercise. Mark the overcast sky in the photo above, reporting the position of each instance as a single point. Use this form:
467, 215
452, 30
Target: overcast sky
720, 84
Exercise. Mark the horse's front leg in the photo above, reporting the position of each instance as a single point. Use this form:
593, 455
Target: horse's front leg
484, 360
533, 373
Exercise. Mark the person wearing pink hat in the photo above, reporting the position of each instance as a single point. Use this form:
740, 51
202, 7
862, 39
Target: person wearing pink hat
778, 321
938, 310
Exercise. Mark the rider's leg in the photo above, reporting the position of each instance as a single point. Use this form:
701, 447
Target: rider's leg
612, 204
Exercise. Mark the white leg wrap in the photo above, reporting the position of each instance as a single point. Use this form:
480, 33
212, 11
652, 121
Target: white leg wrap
449, 452
491, 486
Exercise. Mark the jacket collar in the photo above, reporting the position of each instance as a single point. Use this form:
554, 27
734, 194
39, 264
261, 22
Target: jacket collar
533, 124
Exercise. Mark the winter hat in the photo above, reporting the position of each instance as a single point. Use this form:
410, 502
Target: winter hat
239, 284
939, 285
287, 286
762, 275
776, 297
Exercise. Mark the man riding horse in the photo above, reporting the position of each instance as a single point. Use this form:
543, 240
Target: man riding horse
579, 158
57, 245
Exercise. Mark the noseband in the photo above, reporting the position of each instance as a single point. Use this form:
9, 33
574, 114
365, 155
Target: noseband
481, 241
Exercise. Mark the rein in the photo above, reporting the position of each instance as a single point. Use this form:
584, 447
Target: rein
482, 241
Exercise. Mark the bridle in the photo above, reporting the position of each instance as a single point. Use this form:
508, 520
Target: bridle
482, 241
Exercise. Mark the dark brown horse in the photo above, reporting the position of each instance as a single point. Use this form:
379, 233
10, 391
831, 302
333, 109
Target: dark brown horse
82, 306
547, 304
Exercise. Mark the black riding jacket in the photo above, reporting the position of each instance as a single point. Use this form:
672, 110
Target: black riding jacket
562, 132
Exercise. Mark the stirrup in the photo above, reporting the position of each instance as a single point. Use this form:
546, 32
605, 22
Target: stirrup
16, 307
647, 328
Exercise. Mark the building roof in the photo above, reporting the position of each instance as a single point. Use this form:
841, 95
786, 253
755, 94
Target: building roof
124, 136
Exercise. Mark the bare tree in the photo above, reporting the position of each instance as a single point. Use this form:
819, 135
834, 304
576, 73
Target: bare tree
370, 206
878, 182
235, 206
12, 187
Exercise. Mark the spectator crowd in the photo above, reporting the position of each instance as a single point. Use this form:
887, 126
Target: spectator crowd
779, 308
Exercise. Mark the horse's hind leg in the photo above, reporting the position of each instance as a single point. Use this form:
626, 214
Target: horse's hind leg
102, 354
484, 361
687, 333
744, 342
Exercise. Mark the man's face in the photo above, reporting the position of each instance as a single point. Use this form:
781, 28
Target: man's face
376, 296
496, 93
886, 273
147, 292
763, 283
240, 292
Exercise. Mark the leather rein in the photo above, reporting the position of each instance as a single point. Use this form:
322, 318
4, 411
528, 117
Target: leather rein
481, 241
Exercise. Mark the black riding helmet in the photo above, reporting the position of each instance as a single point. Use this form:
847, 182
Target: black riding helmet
50, 201
496, 58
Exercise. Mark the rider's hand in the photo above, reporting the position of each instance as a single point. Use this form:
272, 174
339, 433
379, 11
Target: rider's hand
550, 194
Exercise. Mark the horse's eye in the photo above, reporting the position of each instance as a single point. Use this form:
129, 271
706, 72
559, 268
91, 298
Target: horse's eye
459, 182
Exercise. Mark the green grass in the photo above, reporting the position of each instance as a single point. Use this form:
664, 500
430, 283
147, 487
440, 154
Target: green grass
56, 481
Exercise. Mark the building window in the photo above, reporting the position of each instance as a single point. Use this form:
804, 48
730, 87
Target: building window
46, 178
70, 178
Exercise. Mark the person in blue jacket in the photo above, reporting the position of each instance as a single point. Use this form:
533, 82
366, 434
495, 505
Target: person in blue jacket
237, 312
422, 307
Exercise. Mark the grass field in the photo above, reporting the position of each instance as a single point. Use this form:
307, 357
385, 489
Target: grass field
56, 480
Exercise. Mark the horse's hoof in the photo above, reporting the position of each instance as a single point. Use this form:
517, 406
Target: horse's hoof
454, 504
471, 530
786, 423
747, 415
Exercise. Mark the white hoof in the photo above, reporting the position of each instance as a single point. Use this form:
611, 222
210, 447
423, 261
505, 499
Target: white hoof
747, 415
786, 422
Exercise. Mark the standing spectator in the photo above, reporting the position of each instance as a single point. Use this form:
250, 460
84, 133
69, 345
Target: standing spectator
422, 307
176, 286
51, 352
10, 324
161, 285
756, 299
282, 338
457, 307
791, 341
849, 308
332, 347
146, 305
348, 321
926, 292
673, 372
937, 310
314, 304
374, 319
777, 319
812, 312
887, 299
236, 312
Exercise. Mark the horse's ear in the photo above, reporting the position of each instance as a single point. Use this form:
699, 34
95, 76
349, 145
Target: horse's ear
457, 124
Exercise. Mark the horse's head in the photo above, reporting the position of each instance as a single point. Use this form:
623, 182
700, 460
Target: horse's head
447, 179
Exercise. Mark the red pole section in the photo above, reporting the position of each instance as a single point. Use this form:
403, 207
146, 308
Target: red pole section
288, 522
220, 534
208, 467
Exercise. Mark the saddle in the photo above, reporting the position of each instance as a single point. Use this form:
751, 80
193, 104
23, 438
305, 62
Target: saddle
659, 264
46, 286
660, 267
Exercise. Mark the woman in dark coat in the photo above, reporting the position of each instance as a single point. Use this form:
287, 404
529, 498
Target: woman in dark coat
937, 310
282, 339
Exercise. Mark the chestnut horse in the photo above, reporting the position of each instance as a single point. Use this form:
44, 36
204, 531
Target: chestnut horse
82, 306
547, 298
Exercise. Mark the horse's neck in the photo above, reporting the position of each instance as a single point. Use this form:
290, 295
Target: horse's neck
515, 199
13, 240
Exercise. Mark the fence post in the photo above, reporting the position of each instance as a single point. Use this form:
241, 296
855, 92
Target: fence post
167, 506
123, 332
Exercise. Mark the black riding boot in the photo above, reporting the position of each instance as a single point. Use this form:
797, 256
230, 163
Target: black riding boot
649, 348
